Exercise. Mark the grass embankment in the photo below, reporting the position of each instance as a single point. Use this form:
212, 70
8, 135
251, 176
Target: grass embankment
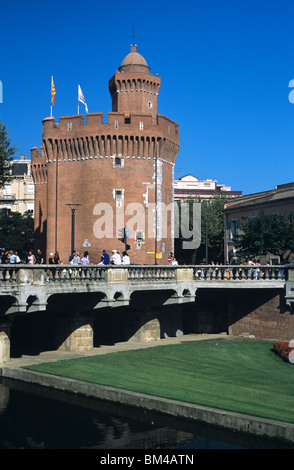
241, 376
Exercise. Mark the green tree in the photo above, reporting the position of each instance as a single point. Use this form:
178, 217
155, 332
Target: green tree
212, 223
289, 235
266, 234
16, 231
6, 155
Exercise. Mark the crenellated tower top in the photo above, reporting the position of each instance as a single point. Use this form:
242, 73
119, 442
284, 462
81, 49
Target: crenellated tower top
133, 89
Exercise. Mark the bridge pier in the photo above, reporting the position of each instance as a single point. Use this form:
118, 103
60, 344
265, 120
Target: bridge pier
5, 332
149, 326
4, 398
77, 331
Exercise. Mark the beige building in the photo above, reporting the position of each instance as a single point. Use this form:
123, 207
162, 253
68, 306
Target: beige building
190, 186
18, 195
279, 200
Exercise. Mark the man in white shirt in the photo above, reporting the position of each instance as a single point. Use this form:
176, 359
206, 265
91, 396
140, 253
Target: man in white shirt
115, 257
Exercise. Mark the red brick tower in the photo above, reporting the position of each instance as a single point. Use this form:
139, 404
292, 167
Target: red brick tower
117, 174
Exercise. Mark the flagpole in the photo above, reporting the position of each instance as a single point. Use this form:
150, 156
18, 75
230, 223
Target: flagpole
51, 93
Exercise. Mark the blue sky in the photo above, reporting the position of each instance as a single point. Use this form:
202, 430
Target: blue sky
225, 69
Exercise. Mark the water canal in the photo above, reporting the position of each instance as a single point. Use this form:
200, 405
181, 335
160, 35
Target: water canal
33, 417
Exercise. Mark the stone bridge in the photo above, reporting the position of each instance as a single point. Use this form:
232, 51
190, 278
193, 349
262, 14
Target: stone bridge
64, 301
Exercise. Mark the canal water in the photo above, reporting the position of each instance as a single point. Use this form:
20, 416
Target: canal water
34, 417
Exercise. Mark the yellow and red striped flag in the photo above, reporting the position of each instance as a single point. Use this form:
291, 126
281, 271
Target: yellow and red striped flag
53, 92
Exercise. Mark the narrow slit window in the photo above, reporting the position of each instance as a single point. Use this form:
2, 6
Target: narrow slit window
119, 197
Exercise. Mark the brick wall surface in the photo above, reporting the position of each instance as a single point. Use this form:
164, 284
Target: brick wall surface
264, 315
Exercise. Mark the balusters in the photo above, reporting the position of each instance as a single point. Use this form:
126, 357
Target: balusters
146, 273
279, 276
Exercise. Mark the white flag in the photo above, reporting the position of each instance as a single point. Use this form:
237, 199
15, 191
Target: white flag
81, 98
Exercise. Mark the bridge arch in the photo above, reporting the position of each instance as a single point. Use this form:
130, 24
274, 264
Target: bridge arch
32, 303
118, 295
186, 293
9, 305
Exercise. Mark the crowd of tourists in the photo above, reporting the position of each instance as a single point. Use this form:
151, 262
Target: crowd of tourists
114, 258
12, 257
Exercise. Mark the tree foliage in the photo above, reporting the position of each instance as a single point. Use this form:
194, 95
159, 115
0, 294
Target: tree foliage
212, 223
16, 231
267, 234
6, 155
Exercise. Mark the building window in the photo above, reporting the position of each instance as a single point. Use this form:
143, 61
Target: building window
118, 196
7, 190
118, 162
116, 124
141, 125
30, 208
30, 189
150, 105
69, 126
234, 229
127, 120
139, 237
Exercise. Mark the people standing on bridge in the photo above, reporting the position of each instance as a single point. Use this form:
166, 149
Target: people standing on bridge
104, 258
5, 257
115, 257
125, 258
85, 259
73, 254
12, 257
50, 261
257, 271
56, 258
31, 257
4, 260
76, 259
250, 263
39, 257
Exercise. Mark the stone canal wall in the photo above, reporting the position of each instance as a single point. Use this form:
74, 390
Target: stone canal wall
234, 421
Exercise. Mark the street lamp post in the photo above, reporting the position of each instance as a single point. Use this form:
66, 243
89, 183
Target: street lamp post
206, 242
73, 210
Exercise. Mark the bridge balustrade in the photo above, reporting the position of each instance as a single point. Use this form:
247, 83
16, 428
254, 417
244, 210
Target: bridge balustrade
151, 273
42, 274
238, 272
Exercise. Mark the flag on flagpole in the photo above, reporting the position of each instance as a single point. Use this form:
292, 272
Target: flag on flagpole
81, 98
53, 92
